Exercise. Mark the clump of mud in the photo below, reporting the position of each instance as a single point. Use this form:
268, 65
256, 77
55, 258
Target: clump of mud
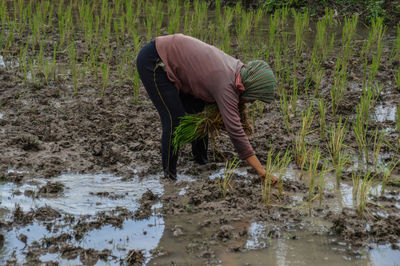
51, 189
372, 229
109, 195
134, 257
41, 214
147, 200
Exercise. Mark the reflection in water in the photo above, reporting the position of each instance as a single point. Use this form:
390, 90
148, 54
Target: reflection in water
79, 198
306, 249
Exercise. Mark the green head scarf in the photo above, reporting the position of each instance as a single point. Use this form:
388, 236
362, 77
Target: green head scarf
259, 82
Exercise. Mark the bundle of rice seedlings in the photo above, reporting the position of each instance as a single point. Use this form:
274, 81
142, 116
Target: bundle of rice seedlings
209, 122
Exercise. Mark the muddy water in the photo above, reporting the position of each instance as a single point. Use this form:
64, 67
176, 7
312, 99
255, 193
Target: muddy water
80, 197
305, 249
385, 113
175, 235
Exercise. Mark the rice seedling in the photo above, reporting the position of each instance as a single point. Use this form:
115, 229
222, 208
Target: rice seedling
3, 12
196, 126
339, 157
387, 174
337, 134
301, 22
376, 60
150, 9
322, 118
186, 8
276, 165
174, 16
397, 78
105, 72
300, 141
375, 35
223, 31
225, 182
293, 99
136, 85
321, 182
284, 107
348, 32
340, 84
355, 177
243, 29
200, 18
313, 163
360, 128
321, 43
395, 53
267, 184
317, 76
377, 145
364, 190
73, 67
398, 118
272, 30
343, 159
277, 54
282, 164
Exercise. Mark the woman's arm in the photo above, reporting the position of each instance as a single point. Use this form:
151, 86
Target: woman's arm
255, 163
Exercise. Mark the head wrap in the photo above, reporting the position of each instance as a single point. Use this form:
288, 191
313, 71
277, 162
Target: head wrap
259, 81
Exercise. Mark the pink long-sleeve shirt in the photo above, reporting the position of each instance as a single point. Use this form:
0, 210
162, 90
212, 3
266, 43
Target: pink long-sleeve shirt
208, 73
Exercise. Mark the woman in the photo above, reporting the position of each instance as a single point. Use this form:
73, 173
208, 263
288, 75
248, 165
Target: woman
181, 74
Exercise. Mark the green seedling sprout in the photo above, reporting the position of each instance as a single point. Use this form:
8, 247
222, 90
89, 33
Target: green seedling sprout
293, 99
397, 78
365, 189
395, 53
105, 71
300, 141
266, 185
321, 183
378, 138
387, 174
337, 134
322, 118
284, 108
314, 159
398, 117
282, 164
301, 22
225, 182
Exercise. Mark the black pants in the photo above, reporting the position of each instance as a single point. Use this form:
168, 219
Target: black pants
171, 105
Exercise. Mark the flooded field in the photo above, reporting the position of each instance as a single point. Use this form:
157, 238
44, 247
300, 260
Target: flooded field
98, 219
80, 162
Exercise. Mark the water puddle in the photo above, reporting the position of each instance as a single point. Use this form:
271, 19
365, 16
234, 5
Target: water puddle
219, 174
83, 196
385, 113
12, 64
2, 63
303, 248
81, 193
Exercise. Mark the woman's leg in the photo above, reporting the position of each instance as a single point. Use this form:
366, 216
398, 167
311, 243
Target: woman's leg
165, 98
194, 105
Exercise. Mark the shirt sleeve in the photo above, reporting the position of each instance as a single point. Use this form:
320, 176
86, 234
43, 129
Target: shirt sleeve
228, 104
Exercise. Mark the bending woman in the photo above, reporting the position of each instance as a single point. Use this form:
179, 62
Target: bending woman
181, 74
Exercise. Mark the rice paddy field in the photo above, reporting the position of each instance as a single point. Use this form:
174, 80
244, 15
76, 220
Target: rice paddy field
80, 161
